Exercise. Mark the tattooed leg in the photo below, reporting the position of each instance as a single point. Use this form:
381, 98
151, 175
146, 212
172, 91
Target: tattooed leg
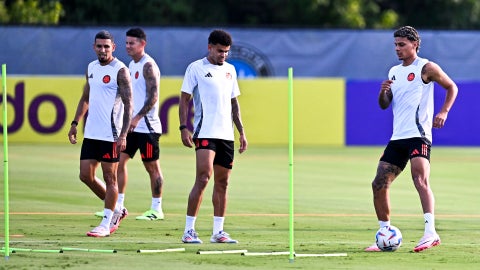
386, 173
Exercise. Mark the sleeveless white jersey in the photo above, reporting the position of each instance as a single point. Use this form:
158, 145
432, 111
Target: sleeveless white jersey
412, 102
151, 122
105, 109
213, 88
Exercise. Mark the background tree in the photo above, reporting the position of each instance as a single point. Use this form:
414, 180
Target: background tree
44, 12
4, 18
331, 14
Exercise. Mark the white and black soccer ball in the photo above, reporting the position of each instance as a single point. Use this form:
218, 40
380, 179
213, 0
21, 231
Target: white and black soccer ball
388, 238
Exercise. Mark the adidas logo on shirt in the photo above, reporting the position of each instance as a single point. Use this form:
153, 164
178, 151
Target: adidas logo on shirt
209, 75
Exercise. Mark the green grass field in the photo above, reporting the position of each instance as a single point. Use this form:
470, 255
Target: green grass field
50, 209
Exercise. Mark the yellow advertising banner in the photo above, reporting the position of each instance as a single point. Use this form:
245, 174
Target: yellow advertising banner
40, 110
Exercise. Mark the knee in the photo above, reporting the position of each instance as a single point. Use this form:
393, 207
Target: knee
202, 180
421, 182
85, 178
221, 185
110, 179
380, 183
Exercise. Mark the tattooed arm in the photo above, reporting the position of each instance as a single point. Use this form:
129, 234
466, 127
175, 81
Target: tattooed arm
125, 91
237, 119
151, 73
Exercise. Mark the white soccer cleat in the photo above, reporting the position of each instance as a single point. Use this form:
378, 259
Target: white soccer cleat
99, 231
191, 237
427, 241
117, 217
222, 237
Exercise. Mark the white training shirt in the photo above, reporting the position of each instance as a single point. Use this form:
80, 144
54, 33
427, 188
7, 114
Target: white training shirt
412, 102
105, 109
151, 122
213, 88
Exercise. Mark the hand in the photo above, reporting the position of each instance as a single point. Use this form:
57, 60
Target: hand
243, 143
121, 143
386, 86
133, 123
439, 120
72, 134
186, 137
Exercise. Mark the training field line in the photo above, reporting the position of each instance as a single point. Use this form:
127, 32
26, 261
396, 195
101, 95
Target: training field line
266, 214
180, 244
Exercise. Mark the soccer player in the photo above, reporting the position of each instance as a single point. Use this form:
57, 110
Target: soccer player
409, 89
212, 83
145, 128
107, 96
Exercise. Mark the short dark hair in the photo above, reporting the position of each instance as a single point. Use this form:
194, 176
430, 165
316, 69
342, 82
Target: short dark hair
104, 34
408, 32
220, 37
137, 33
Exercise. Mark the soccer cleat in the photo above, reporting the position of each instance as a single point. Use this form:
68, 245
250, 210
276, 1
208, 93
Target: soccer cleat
222, 237
99, 214
372, 248
99, 231
427, 242
117, 218
151, 215
191, 237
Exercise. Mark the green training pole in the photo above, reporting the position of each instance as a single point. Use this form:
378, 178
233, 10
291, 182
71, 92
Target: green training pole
6, 213
290, 160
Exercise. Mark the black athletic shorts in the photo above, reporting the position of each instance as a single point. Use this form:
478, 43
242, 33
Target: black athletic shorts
398, 152
146, 142
223, 150
99, 150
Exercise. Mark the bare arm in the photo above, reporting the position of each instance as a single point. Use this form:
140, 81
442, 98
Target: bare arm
385, 96
151, 73
125, 92
183, 116
237, 120
82, 109
433, 72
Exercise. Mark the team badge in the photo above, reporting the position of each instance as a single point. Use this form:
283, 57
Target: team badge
136, 75
228, 76
106, 79
411, 76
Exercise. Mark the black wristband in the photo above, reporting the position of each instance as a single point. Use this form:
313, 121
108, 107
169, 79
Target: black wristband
74, 123
182, 127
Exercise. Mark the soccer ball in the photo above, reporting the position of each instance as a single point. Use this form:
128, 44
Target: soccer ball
388, 238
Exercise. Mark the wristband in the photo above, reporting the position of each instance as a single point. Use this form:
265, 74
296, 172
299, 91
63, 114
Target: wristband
182, 127
74, 123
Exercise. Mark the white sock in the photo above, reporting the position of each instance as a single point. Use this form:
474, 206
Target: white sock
190, 223
107, 218
218, 224
156, 204
429, 223
384, 223
120, 200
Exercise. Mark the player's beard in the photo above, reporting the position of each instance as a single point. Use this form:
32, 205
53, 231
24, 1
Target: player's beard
102, 59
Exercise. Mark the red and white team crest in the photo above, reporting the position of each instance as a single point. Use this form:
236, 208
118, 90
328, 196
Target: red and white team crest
228, 76
136, 75
106, 79
411, 76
